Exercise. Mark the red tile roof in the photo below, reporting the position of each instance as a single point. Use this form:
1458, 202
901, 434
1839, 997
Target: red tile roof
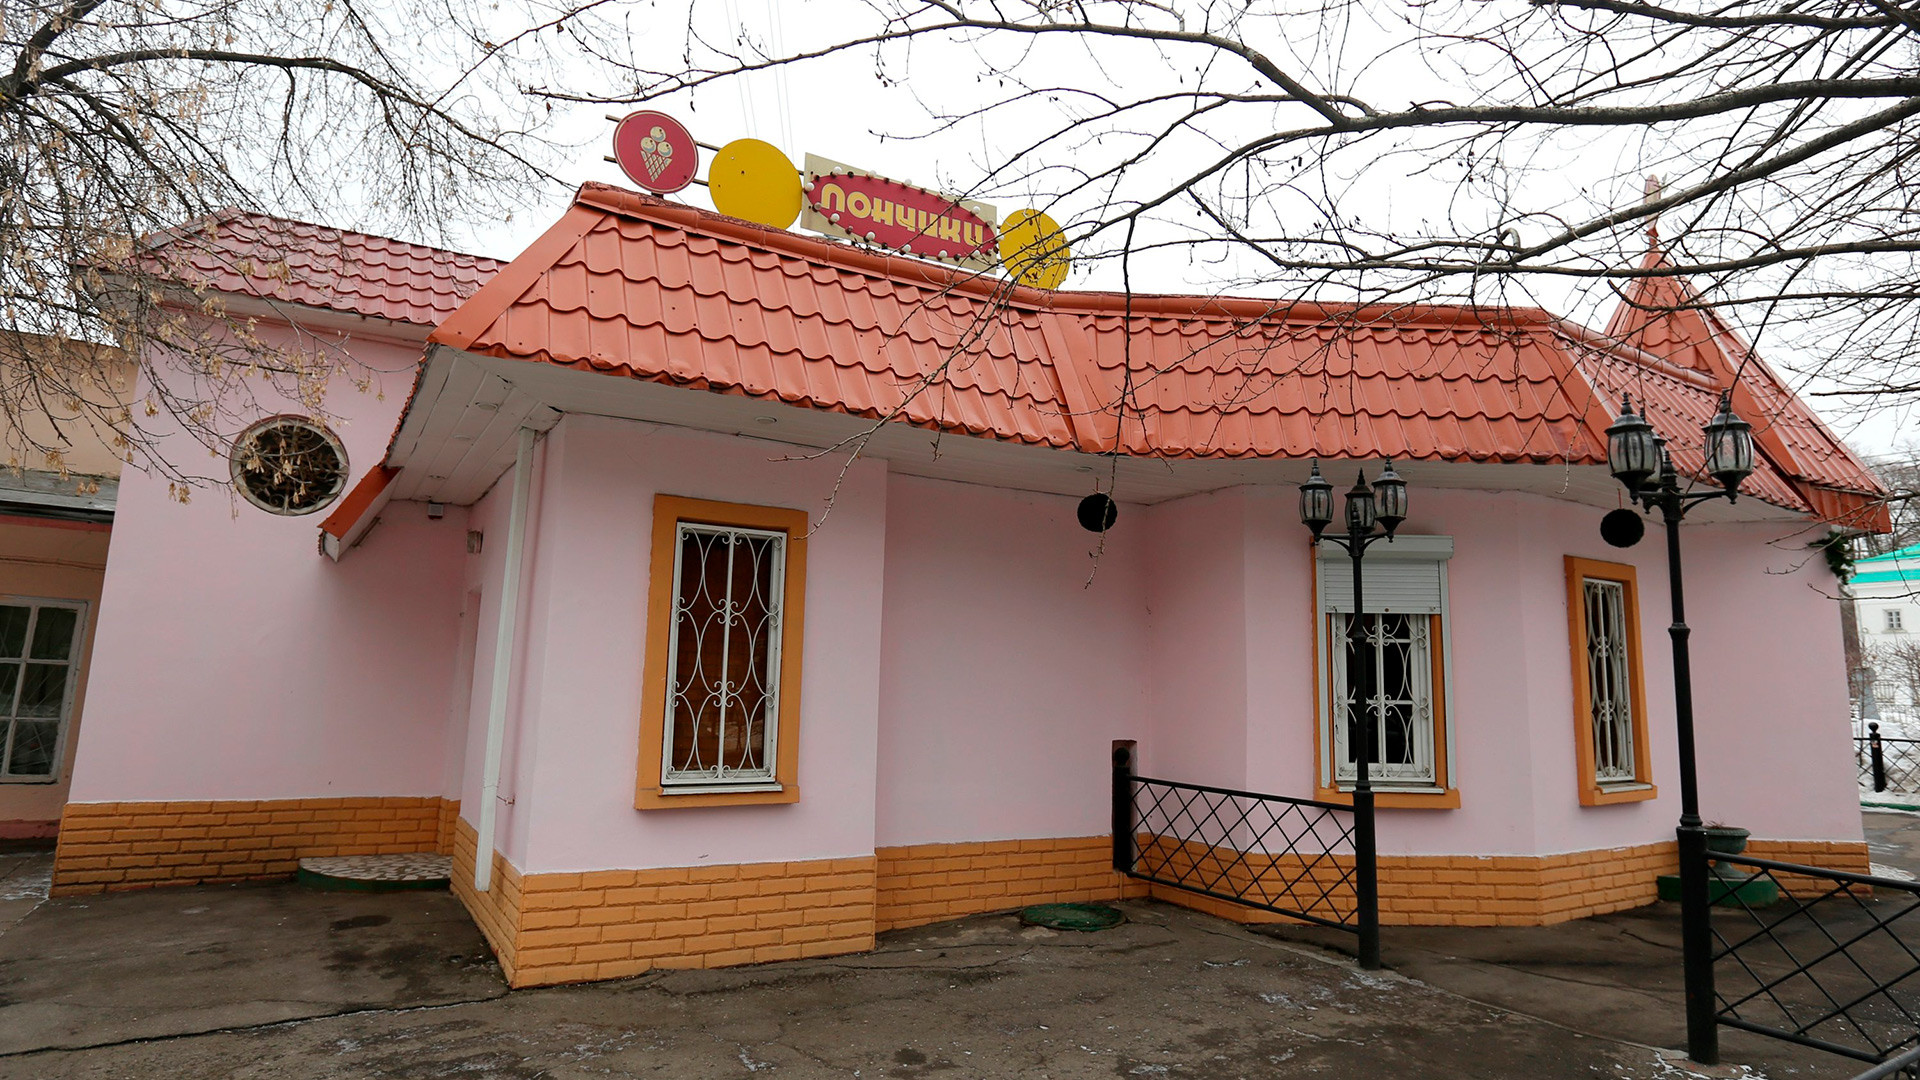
1665, 317
272, 258
630, 285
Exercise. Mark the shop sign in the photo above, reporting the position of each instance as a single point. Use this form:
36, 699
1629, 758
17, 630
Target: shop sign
656, 152
854, 204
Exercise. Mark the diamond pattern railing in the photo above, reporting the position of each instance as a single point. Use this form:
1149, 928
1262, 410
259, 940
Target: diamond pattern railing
1290, 856
1833, 963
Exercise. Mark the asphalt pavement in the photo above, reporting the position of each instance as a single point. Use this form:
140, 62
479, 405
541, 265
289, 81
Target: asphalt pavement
280, 981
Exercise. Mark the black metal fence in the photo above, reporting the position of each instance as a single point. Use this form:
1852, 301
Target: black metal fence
1887, 764
1295, 857
1904, 1067
1824, 958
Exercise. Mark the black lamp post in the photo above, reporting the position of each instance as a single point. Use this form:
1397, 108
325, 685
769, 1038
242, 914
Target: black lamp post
1382, 506
1638, 458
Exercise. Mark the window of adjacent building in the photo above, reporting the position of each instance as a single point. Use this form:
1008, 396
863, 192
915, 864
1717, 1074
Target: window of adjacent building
38, 663
1390, 681
1895, 621
721, 705
1603, 620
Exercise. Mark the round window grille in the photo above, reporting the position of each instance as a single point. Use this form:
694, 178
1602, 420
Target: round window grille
289, 465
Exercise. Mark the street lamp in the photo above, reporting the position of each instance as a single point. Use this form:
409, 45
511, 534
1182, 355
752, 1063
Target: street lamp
1639, 459
1383, 506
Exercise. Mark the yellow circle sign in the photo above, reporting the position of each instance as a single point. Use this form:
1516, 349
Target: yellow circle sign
1033, 250
753, 180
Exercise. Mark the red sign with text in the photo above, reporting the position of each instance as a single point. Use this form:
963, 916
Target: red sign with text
901, 216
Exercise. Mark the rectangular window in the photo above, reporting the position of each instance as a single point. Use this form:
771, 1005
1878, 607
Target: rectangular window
723, 688
720, 704
1603, 618
39, 665
1895, 622
1398, 650
1392, 680
1609, 685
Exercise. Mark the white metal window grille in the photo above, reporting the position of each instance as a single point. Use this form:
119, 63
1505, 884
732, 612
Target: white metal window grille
1895, 620
1609, 692
38, 664
1399, 704
723, 674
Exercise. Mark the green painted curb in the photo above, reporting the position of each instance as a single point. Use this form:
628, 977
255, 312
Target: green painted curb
1753, 892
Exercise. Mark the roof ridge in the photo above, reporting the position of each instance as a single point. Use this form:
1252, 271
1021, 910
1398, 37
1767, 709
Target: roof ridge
185, 231
633, 204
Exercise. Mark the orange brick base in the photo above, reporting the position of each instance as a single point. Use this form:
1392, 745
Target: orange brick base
557, 928
1519, 890
560, 928
1527, 890
135, 845
929, 883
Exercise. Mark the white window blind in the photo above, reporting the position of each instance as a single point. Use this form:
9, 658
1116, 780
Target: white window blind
1404, 577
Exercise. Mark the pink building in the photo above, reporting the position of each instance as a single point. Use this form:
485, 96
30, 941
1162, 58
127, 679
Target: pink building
804, 640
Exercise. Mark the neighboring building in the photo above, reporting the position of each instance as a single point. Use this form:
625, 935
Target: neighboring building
1886, 601
762, 696
58, 481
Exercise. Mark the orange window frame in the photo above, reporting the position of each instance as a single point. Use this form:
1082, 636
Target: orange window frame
669, 512
1592, 792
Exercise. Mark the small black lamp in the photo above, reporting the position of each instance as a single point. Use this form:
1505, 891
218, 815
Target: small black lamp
1390, 499
1633, 453
1729, 447
1360, 508
1316, 502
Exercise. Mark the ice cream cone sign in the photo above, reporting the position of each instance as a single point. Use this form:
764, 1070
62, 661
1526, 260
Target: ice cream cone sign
656, 152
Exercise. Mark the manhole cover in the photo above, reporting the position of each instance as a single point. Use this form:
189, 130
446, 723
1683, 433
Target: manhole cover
376, 873
1073, 916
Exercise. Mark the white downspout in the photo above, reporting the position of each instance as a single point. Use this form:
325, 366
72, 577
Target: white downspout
505, 633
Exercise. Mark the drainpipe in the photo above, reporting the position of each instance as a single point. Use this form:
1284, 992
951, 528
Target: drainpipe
505, 636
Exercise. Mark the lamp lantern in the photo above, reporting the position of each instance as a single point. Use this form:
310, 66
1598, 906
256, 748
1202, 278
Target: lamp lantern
1729, 446
1360, 509
1316, 502
1390, 498
1633, 452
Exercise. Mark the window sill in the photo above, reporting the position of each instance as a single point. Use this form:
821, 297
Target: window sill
673, 798
29, 779
1614, 794
1397, 798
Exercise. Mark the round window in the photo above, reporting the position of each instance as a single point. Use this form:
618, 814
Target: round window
289, 465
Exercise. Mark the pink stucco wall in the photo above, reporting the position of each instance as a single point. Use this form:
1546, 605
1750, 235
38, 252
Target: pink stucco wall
961, 680
585, 635
1770, 684
233, 662
1005, 675
1196, 675
1512, 709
